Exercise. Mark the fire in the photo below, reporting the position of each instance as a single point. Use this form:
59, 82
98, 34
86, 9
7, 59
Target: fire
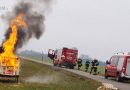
8, 57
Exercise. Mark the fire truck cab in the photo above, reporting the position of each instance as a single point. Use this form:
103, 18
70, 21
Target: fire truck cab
64, 57
119, 67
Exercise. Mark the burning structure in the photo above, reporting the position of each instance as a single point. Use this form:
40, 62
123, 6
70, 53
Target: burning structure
24, 23
9, 62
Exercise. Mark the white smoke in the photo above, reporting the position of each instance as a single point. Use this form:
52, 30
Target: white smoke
43, 79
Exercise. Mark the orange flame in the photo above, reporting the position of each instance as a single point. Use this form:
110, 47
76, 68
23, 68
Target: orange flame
8, 57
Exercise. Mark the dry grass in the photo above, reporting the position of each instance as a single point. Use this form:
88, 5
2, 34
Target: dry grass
35, 76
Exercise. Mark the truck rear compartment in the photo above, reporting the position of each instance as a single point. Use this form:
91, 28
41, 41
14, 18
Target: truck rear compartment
9, 69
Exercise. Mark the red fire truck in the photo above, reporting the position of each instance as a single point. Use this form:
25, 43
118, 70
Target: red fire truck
64, 57
118, 66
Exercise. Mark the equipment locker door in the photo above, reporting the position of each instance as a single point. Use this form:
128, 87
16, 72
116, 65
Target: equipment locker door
128, 67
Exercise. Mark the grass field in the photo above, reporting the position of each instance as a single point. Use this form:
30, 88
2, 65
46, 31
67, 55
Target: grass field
34, 76
101, 69
40, 59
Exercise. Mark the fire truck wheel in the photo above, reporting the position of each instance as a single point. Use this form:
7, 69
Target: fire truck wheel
54, 64
71, 67
118, 79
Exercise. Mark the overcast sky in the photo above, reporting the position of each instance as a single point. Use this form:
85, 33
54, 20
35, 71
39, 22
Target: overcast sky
98, 28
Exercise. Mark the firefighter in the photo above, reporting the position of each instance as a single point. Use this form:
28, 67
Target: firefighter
87, 65
79, 62
94, 65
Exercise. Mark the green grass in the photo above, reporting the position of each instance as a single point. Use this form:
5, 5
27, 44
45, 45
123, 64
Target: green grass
100, 69
40, 59
34, 76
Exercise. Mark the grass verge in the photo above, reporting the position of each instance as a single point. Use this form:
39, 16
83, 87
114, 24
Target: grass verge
101, 69
35, 76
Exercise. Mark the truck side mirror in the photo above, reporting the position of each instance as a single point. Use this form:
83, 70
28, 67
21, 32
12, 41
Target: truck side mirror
107, 62
51, 54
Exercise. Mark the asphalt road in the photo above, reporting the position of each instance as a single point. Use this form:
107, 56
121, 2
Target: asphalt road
120, 85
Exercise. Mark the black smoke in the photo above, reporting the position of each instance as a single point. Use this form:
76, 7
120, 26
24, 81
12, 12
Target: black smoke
34, 20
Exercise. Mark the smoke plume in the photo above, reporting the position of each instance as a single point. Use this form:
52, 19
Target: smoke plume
45, 79
34, 16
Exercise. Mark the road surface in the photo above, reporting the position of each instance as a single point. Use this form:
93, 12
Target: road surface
120, 85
